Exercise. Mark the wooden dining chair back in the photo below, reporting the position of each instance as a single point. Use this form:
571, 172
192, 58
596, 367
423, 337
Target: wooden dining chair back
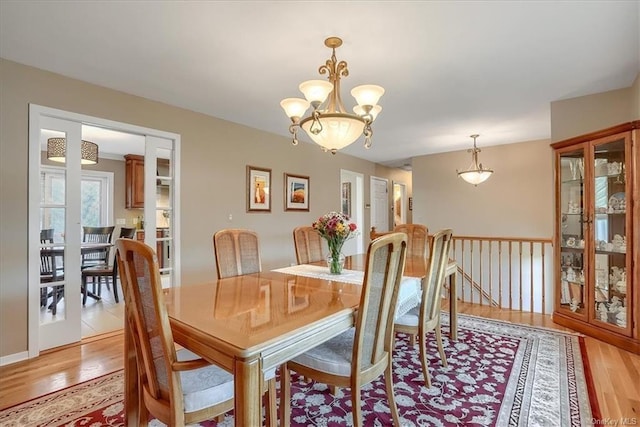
46, 235
176, 387
426, 317
104, 271
237, 252
374, 234
364, 352
96, 235
308, 244
418, 239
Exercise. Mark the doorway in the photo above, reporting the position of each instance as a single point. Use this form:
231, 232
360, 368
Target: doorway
352, 204
48, 328
399, 204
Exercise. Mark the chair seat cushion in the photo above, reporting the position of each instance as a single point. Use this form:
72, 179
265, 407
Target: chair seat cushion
204, 387
411, 318
332, 356
97, 270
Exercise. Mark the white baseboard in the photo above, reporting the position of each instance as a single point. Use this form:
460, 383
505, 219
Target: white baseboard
13, 358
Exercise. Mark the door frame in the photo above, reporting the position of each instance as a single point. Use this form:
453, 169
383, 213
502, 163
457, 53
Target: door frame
403, 205
38, 114
357, 205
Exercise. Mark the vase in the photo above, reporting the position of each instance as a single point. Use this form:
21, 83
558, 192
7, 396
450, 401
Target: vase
335, 262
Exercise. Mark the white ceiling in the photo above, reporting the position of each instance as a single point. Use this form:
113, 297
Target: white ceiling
450, 69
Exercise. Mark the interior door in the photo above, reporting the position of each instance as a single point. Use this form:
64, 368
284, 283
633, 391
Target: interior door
379, 204
57, 201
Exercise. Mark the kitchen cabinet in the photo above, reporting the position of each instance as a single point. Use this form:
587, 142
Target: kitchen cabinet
596, 238
134, 181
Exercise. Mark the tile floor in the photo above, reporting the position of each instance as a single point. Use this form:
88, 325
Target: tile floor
98, 317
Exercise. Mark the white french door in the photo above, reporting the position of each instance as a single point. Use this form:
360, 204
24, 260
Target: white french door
55, 205
160, 207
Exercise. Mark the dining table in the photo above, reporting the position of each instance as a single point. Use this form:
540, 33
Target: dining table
252, 323
56, 251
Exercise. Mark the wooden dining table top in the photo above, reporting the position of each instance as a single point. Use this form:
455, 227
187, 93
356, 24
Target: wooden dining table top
243, 313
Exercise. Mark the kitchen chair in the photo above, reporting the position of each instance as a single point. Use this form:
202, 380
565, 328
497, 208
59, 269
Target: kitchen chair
97, 272
425, 318
237, 252
359, 355
51, 271
308, 244
96, 235
418, 239
176, 387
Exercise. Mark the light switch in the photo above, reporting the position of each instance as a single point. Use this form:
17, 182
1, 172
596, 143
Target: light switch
230, 217
121, 221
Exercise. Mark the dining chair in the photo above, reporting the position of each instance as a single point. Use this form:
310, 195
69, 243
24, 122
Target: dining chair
308, 244
374, 234
176, 386
104, 271
237, 252
96, 235
426, 317
51, 271
364, 352
418, 239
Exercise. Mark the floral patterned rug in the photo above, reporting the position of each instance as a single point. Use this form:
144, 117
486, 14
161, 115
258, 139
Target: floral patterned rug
498, 374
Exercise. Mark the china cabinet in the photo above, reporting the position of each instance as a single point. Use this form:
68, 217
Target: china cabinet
596, 235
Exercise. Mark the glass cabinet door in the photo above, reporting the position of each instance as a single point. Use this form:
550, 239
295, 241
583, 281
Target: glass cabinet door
609, 195
572, 239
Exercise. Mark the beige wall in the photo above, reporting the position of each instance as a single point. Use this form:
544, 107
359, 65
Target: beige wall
585, 114
516, 201
635, 98
214, 155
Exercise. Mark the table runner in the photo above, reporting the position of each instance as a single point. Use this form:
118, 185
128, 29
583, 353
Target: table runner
408, 297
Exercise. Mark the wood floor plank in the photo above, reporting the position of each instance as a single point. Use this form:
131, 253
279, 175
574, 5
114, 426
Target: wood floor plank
615, 371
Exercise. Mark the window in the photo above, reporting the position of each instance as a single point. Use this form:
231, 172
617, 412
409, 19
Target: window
96, 199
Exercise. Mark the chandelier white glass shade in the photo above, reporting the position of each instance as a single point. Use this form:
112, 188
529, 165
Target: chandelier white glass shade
475, 173
57, 151
329, 124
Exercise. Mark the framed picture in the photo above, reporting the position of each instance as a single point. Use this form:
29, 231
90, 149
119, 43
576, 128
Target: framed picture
258, 189
346, 198
296, 192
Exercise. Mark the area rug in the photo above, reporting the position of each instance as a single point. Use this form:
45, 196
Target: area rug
498, 374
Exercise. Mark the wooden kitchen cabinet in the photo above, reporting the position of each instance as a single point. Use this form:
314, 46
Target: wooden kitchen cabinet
596, 241
134, 181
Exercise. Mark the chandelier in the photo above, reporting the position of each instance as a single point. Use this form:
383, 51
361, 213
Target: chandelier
329, 124
57, 151
475, 174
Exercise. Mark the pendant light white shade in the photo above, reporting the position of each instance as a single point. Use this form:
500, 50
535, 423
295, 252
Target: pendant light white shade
475, 173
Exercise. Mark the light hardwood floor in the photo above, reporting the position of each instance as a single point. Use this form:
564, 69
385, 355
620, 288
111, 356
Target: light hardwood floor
616, 372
